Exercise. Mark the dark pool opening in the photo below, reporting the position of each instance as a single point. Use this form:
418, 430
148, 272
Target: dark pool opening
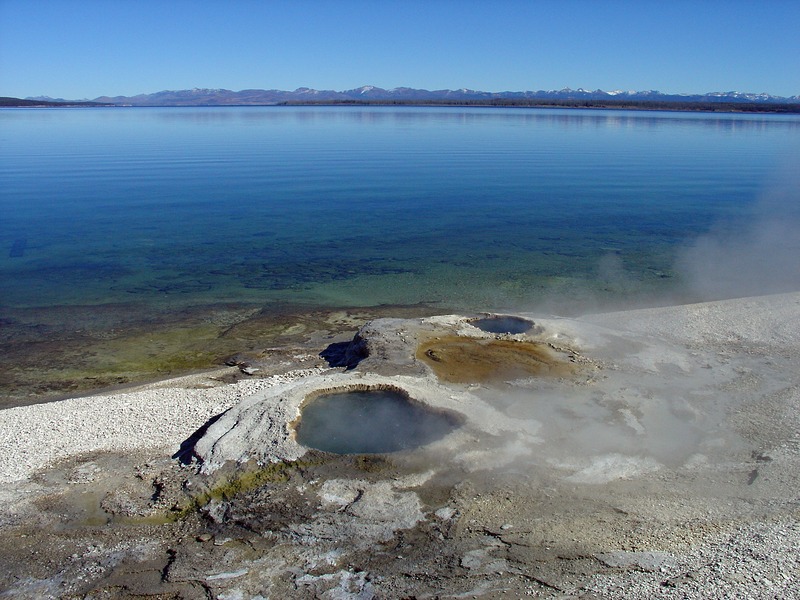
370, 422
501, 324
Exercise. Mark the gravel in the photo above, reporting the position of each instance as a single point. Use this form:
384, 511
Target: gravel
152, 416
753, 561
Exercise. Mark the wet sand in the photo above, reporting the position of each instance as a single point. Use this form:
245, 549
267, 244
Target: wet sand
665, 466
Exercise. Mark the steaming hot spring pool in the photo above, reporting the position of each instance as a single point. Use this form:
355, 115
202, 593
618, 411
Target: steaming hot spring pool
374, 421
503, 324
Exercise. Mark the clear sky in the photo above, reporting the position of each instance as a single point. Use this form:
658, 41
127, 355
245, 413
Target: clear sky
86, 48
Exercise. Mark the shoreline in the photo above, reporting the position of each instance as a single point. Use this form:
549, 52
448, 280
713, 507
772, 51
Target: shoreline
660, 468
129, 346
706, 323
82, 357
690, 106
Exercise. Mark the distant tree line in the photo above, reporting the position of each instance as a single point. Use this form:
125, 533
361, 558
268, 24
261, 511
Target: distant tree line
6, 101
728, 107
746, 107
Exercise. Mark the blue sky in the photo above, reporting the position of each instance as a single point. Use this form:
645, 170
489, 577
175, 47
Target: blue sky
87, 48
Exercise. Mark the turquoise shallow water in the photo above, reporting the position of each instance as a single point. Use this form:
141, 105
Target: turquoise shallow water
342, 206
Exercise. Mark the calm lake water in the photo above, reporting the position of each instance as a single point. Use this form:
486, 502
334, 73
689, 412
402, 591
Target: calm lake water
469, 208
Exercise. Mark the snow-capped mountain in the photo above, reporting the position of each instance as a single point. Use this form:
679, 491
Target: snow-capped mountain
369, 93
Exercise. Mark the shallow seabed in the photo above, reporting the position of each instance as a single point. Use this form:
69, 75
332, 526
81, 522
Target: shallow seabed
145, 233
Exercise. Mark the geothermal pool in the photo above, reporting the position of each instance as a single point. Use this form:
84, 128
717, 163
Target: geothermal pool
503, 324
370, 422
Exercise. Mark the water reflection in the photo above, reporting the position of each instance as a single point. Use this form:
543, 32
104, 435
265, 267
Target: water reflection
518, 116
344, 202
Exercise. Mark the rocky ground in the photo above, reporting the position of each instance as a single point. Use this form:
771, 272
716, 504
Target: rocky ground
645, 454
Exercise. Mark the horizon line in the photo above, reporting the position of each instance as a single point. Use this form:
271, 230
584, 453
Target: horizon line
404, 87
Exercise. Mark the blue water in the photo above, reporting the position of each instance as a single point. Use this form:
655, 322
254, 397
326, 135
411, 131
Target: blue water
339, 206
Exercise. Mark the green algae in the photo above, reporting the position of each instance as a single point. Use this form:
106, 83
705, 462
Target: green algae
68, 351
371, 463
241, 481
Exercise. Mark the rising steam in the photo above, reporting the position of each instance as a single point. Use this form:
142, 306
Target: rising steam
760, 255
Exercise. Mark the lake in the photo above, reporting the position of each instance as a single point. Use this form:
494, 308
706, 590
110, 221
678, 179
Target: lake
111, 212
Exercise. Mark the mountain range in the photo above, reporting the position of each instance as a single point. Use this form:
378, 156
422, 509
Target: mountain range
372, 94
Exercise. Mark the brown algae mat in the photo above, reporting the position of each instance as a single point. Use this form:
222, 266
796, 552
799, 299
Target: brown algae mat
457, 359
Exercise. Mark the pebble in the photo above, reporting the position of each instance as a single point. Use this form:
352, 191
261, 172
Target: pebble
157, 415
